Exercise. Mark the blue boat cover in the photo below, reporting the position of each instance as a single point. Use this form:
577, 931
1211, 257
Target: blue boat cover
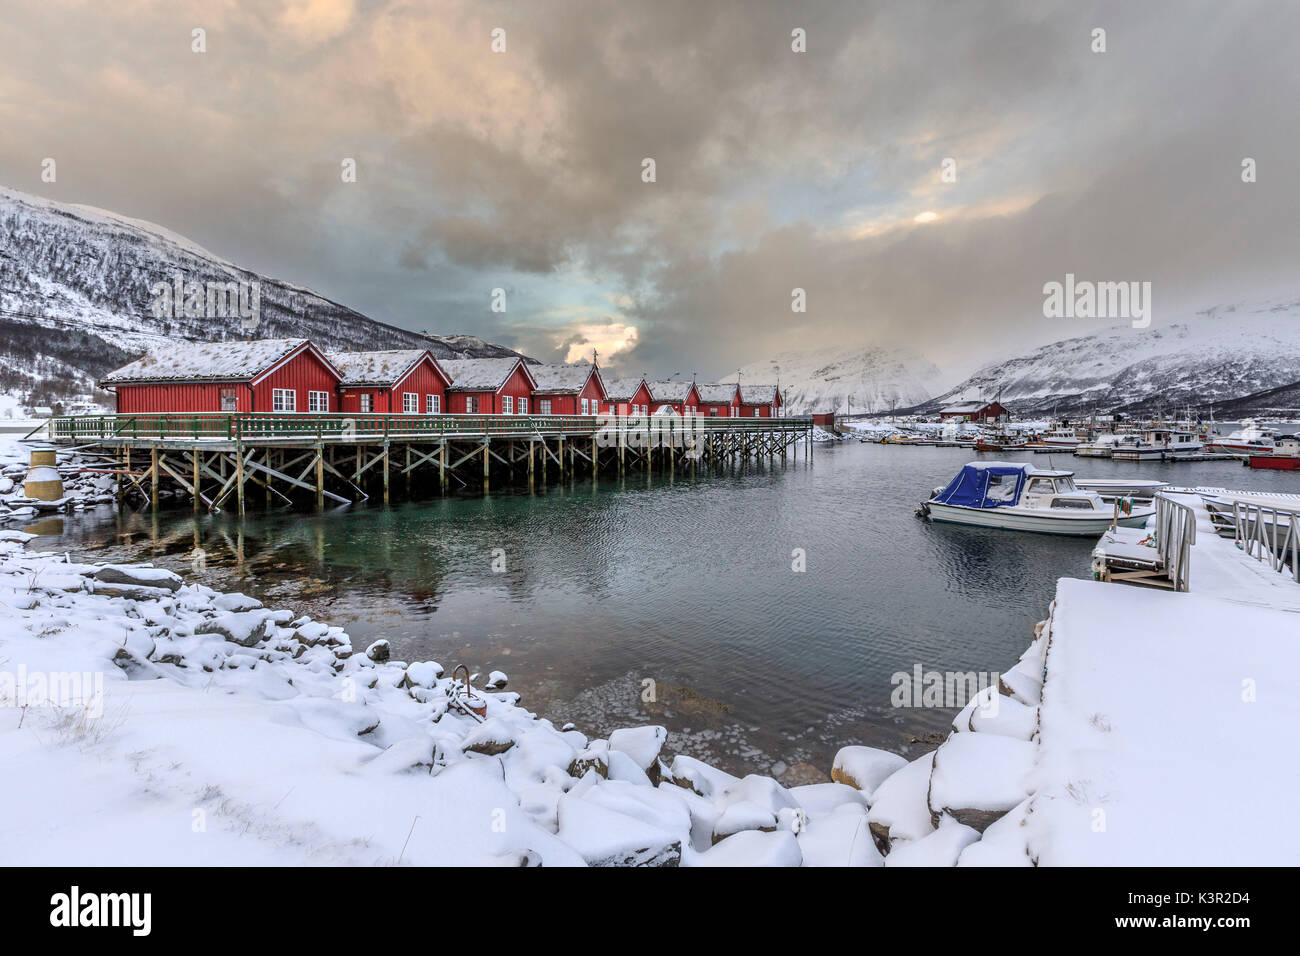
991, 485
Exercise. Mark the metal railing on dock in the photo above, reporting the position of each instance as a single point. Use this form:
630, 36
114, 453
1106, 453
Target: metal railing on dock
1268, 534
1175, 535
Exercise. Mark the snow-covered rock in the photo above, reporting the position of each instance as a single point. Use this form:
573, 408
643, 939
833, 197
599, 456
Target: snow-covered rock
865, 768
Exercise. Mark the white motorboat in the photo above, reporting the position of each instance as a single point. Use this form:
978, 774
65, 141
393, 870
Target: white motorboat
1250, 439
1016, 496
1103, 446
1156, 444
1112, 488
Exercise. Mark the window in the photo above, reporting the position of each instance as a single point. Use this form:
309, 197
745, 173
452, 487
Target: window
586, 407
284, 400
471, 404
735, 412
523, 406
318, 401
410, 403
544, 406
367, 402
758, 412
507, 404
432, 404
713, 412
229, 403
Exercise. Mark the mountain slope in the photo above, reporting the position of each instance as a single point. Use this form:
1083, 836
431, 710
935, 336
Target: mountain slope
76, 300
825, 380
1219, 354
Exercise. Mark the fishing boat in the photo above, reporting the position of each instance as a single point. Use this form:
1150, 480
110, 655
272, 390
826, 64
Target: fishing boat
1284, 457
1250, 439
1016, 496
1061, 438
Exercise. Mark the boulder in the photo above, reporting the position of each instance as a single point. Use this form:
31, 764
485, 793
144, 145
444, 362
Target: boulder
865, 768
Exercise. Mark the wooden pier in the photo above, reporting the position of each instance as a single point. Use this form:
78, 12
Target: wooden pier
284, 459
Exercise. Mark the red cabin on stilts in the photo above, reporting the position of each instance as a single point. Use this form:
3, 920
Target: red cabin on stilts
489, 386
397, 381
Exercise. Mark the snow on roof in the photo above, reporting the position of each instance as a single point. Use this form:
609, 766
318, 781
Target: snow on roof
204, 361
479, 373
669, 391
375, 368
560, 378
714, 394
757, 394
622, 388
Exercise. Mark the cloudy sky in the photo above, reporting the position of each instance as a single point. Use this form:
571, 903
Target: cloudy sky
774, 169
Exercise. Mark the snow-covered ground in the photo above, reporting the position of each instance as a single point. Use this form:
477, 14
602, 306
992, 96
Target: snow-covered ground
210, 730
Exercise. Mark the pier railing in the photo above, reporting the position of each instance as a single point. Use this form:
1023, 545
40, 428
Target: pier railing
1268, 534
360, 427
1175, 535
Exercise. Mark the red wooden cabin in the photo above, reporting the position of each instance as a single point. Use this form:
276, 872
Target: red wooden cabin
629, 396
568, 390
719, 400
489, 386
760, 401
397, 381
265, 375
682, 397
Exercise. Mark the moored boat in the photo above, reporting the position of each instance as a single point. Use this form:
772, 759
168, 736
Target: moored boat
1250, 439
1016, 496
1284, 457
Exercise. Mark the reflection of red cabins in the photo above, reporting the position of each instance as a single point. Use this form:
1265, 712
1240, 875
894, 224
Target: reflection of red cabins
409, 381
267, 375
489, 386
568, 390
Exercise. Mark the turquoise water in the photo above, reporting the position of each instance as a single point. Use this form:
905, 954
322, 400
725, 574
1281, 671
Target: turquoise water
687, 583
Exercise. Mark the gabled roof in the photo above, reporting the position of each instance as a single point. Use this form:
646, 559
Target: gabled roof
716, 394
675, 391
563, 379
233, 361
483, 374
622, 389
757, 394
386, 368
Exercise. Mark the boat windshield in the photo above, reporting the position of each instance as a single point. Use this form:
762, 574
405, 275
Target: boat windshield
1065, 484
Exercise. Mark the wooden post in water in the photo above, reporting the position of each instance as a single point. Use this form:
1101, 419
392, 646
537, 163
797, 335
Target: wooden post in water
194, 464
153, 477
487, 464
320, 478
442, 466
239, 476
532, 454
385, 471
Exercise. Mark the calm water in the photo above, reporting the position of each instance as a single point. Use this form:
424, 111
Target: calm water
686, 583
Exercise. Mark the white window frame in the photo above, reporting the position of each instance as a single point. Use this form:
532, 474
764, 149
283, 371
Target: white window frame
318, 402
523, 406
284, 400
544, 406
507, 404
471, 404
365, 402
586, 407
432, 404
757, 412
410, 403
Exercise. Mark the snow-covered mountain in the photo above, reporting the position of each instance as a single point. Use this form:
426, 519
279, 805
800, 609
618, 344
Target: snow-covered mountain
825, 380
76, 301
1218, 354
